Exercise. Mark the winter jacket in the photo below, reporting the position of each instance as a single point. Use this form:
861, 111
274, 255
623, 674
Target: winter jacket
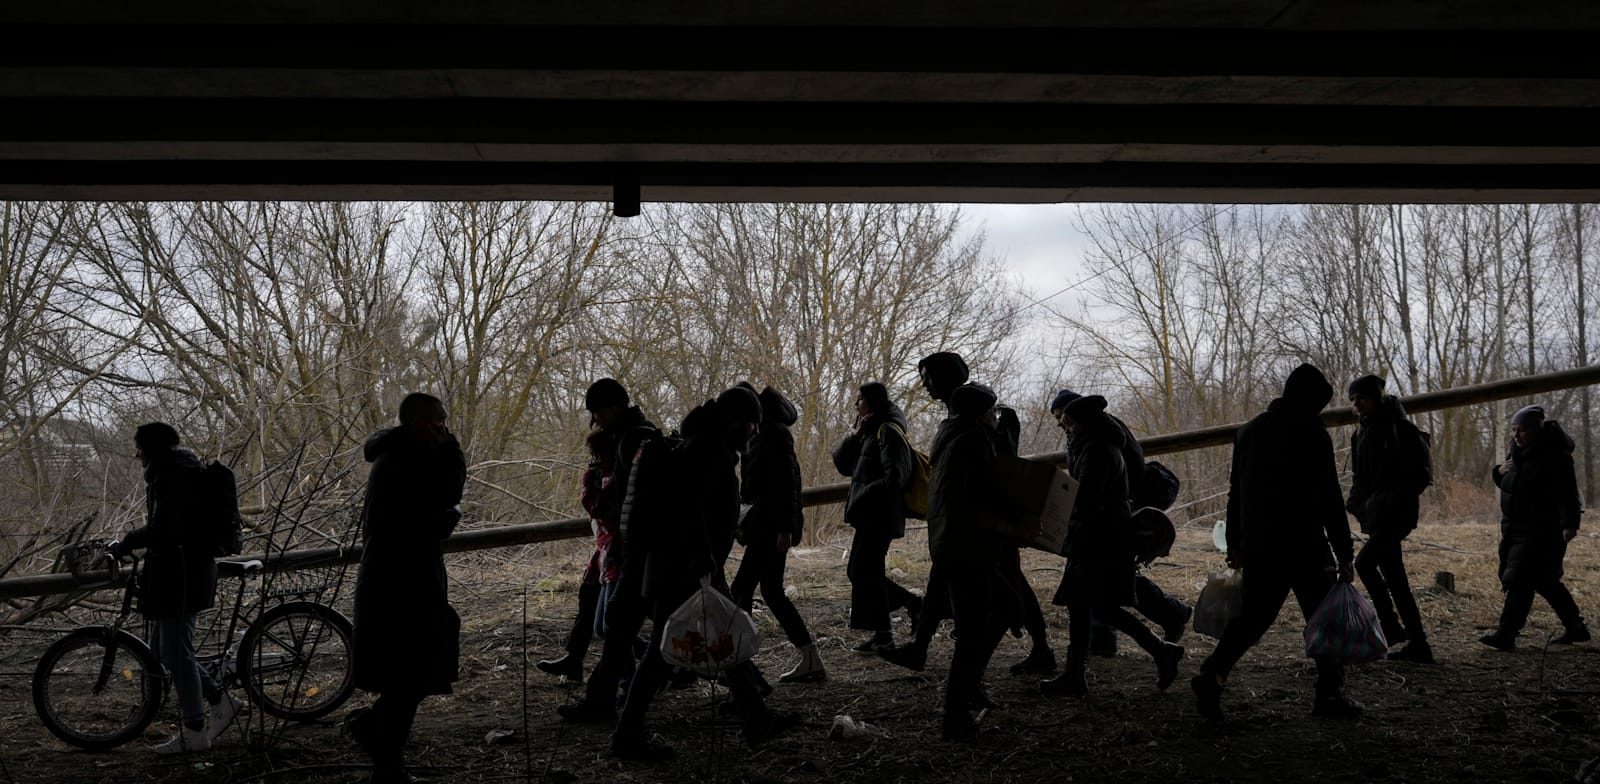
704, 506
179, 575
1538, 501
1132, 456
1285, 507
1100, 560
406, 633
1388, 469
769, 474
961, 491
877, 459
597, 481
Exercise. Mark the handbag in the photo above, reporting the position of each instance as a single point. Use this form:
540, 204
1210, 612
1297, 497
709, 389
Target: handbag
1221, 601
709, 634
1345, 628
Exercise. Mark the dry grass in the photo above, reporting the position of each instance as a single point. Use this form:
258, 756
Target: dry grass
1479, 715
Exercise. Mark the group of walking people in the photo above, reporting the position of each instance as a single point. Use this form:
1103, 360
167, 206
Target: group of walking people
667, 509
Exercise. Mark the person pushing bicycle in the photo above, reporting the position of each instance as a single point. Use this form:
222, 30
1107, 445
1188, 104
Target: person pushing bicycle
179, 580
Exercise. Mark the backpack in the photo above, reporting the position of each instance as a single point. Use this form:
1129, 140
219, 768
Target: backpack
1159, 488
1152, 534
652, 482
916, 486
217, 511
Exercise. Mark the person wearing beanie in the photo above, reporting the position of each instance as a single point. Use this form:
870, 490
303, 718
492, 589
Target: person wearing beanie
1287, 531
705, 499
1099, 576
1390, 466
1539, 515
968, 559
877, 458
1160, 608
773, 521
178, 581
616, 429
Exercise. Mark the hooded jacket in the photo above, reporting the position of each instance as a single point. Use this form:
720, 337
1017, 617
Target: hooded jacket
704, 511
1388, 470
1285, 506
769, 473
877, 459
960, 490
179, 575
1538, 501
406, 633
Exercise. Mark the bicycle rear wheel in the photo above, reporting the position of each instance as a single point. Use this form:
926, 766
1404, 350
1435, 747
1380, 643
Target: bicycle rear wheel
295, 661
97, 690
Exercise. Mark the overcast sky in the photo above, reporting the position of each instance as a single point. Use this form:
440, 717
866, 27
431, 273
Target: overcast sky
1040, 242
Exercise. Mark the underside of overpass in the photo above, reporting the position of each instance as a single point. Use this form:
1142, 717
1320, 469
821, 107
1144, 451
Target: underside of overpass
1029, 101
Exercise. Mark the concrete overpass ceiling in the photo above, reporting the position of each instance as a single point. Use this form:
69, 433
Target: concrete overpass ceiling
1317, 100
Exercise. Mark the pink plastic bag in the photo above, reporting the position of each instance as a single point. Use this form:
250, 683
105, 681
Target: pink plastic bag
1345, 628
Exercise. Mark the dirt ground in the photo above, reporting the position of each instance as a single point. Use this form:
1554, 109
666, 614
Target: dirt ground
1479, 715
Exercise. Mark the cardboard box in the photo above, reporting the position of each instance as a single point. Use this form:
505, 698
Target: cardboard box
1034, 502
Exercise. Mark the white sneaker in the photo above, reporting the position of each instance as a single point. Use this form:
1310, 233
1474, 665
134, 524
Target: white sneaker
185, 741
222, 715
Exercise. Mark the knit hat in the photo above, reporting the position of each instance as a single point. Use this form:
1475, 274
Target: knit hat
605, 393
972, 400
1367, 386
1528, 416
1085, 408
1062, 398
154, 437
946, 366
876, 395
739, 404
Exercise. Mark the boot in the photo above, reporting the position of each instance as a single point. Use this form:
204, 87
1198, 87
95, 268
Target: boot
958, 727
1393, 632
569, 666
1167, 658
1499, 640
1573, 634
1172, 631
1103, 642
1041, 661
582, 712
873, 643
809, 668
1071, 682
910, 655
1417, 652
1207, 694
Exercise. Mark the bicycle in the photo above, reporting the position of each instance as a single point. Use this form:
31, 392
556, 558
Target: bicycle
102, 686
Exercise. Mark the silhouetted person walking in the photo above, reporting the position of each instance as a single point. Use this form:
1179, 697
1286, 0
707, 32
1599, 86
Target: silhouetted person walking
1539, 515
1287, 531
178, 581
1390, 467
877, 458
702, 512
774, 520
406, 643
1098, 580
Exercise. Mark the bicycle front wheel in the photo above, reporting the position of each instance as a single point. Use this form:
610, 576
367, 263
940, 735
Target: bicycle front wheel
97, 690
295, 661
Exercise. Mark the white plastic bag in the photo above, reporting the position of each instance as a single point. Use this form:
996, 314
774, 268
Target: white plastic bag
1221, 601
709, 634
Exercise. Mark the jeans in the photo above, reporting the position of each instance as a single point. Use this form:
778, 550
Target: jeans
173, 640
763, 567
1519, 602
1383, 572
1151, 602
983, 602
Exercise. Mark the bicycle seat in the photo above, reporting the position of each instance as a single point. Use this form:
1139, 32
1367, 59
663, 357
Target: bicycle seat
238, 568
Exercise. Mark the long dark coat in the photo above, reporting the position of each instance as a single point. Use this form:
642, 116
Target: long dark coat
960, 492
877, 459
1388, 471
406, 633
179, 575
769, 475
1100, 562
1285, 507
1538, 500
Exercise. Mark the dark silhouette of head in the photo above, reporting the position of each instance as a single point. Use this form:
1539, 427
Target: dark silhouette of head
424, 415
154, 439
941, 373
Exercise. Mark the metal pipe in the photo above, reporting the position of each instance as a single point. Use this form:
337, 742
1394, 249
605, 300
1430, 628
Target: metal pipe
531, 533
